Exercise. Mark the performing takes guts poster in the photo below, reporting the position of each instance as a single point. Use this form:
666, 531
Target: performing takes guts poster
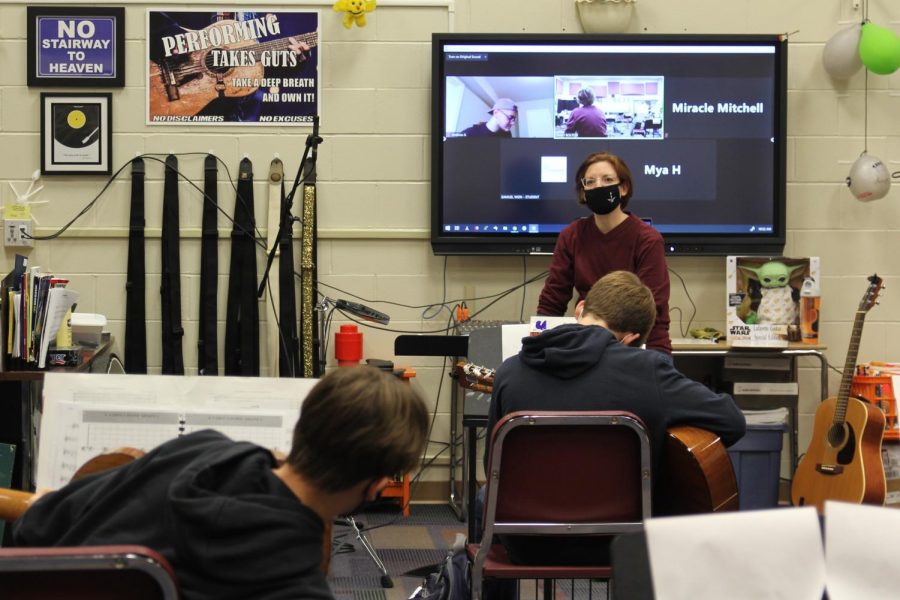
235, 67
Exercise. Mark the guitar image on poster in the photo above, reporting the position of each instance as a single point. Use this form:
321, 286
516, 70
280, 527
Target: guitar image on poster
232, 67
843, 461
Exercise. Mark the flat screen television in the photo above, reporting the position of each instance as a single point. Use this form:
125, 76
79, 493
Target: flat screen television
699, 119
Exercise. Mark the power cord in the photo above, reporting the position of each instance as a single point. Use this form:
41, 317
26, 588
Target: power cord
496, 298
681, 328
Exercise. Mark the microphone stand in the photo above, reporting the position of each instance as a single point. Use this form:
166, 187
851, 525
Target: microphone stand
324, 308
311, 151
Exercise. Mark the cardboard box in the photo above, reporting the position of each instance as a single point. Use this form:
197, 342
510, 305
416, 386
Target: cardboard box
763, 298
87, 329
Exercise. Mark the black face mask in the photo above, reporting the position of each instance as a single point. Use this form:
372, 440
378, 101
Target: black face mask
603, 200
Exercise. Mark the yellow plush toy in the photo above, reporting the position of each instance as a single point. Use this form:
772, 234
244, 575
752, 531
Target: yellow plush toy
356, 11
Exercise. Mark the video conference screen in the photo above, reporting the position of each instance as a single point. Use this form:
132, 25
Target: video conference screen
699, 120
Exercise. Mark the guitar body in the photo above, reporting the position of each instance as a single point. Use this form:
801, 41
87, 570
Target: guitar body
15, 502
109, 460
196, 80
697, 475
842, 462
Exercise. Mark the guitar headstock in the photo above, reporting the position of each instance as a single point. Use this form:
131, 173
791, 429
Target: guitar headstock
474, 377
870, 298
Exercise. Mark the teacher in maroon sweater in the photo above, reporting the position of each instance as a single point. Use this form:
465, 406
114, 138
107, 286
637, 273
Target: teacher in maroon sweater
608, 240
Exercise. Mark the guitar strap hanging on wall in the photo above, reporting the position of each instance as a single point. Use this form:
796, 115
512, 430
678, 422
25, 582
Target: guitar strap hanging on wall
207, 342
281, 318
170, 286
273, 294
242, 313
289, 362
135, 284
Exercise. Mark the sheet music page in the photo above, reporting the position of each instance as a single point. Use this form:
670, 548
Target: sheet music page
859, 555
16, 351
89, 414
511, 340
744, 555
512, 334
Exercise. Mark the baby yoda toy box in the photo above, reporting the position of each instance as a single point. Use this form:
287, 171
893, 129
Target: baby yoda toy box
763, 298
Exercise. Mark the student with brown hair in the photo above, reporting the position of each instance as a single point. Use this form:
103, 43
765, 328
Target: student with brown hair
230, 520
594, 365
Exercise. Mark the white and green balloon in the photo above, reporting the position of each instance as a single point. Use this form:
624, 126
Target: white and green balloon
876, 47
869, 178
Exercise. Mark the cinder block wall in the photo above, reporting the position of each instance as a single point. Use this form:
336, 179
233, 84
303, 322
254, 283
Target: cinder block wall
373, 192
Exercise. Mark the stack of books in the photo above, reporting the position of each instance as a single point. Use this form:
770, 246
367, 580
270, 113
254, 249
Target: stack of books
33, 306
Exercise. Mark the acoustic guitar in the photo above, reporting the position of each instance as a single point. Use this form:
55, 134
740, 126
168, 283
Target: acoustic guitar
843, 461
13, 503
697, 475
183, 84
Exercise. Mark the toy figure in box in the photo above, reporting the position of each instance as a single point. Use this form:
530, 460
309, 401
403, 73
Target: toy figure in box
777, 298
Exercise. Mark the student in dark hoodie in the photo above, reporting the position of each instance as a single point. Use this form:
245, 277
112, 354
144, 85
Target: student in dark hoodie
230, 520
593, 365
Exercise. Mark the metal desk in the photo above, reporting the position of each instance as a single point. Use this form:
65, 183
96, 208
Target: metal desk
722, 350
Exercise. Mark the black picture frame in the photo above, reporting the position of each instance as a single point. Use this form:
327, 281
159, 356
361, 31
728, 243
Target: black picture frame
87, 51
76, 133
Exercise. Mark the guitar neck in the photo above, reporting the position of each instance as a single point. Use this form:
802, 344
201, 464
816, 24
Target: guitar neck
174, 64
310, 39
840, 412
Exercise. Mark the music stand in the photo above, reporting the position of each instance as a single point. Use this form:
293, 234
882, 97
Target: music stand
350, 521
325, 307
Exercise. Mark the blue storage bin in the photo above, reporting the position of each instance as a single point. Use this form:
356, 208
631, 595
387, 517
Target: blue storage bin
757, 465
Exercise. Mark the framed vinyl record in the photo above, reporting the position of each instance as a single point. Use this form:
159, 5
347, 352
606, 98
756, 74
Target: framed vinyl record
76, 137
